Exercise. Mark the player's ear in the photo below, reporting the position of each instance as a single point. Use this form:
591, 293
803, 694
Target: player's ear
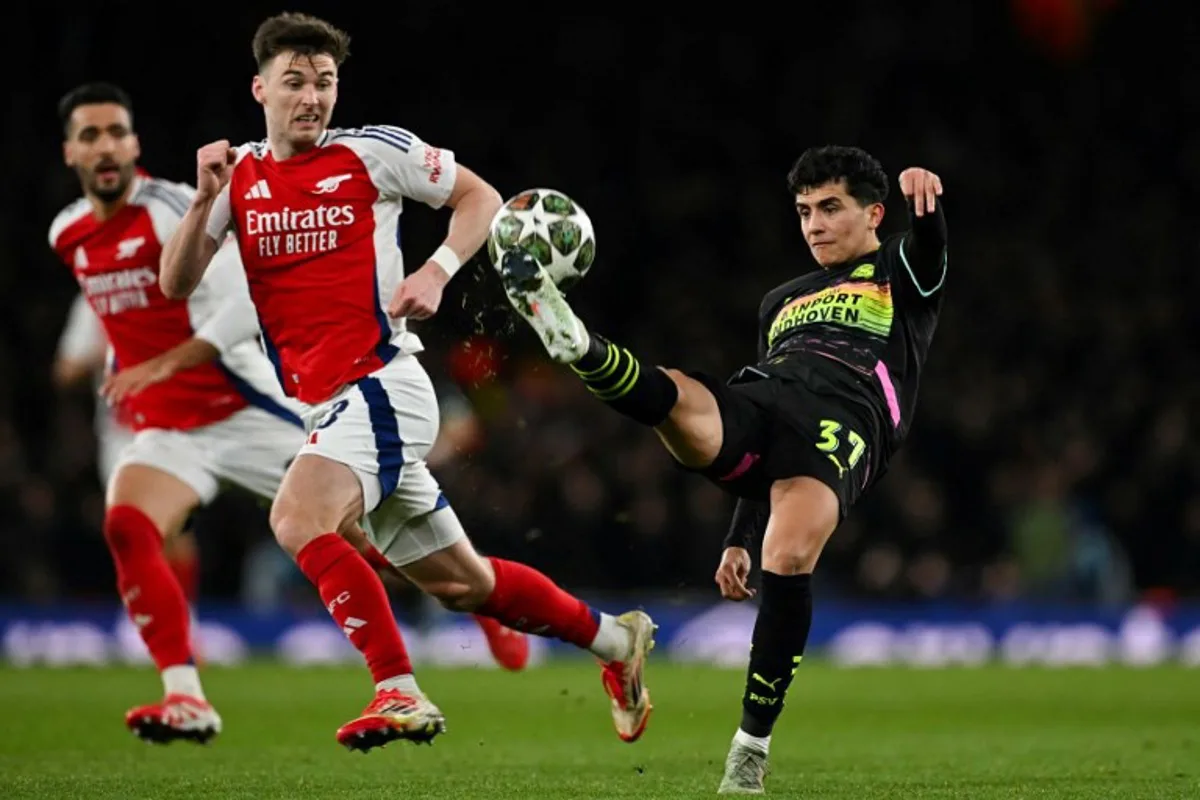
257, 89
68, 156
875, 214
137, 147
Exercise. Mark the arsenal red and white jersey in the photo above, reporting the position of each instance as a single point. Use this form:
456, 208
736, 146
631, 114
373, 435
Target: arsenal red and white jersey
320, 241
116, 263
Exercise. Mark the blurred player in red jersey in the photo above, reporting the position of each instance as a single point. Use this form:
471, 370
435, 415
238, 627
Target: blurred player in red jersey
316, 212
81, 359
188, 377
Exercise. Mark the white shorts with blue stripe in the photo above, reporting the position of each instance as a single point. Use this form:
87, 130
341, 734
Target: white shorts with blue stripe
251, 449
382, 427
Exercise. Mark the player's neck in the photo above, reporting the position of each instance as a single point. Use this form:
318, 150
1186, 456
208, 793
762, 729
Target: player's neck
870, 247
107, 209
282, 149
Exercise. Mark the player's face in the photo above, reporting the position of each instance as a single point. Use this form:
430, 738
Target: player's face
102, 149
298, 94
836, 227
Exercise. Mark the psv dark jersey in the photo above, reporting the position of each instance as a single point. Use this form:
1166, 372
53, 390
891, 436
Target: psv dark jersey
866, 325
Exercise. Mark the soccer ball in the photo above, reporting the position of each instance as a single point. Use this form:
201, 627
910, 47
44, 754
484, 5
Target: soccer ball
552, 228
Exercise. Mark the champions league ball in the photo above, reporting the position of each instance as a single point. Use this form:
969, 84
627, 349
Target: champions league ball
552, 228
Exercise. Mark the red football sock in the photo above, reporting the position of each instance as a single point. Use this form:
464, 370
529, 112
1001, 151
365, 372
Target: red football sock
526, 600
358, 602
152, 597
186, 569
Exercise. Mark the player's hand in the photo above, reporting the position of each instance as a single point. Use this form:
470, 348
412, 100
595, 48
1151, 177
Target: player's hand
419, 295
214, 165
922, 187
732, 574
128, 382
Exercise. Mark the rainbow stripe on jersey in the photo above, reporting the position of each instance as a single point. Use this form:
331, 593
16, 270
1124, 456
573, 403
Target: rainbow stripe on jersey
863, 305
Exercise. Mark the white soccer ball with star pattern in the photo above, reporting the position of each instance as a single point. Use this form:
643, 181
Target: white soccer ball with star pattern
552, 228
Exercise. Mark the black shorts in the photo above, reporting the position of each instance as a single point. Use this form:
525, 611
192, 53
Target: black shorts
778, 427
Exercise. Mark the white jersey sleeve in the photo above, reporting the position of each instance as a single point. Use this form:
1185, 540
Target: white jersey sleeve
401, 164
83, 336
220, 309
165, 202
220, 216
66, 218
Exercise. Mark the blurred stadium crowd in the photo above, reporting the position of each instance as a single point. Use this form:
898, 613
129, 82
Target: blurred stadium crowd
1054, 455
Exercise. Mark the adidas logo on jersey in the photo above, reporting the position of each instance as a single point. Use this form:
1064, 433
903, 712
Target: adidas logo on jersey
259, 191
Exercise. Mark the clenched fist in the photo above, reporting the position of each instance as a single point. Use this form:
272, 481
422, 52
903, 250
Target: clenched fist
214, 165
419, 295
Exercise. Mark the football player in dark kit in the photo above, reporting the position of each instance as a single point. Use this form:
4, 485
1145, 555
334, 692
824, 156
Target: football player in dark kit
801, 434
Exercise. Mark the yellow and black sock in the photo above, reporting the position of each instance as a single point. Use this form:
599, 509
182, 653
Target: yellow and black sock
613, 375
780, 633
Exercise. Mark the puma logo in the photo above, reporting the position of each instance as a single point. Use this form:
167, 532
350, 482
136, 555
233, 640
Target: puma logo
838, 464
769, 684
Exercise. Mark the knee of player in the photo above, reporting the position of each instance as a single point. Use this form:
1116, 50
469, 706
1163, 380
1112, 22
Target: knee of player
681, 383
293, 528
695, 407
794, 554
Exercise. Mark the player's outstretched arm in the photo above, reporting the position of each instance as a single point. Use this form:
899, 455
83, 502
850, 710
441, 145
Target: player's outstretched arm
190, 353
187, 253
475, 202
924, 247
222, 316
749, 521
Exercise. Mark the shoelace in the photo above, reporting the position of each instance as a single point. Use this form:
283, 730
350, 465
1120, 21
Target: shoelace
749, 767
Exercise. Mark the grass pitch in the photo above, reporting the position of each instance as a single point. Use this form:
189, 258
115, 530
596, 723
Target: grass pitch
545, 734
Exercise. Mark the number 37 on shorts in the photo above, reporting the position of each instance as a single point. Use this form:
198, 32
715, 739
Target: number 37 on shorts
841, 445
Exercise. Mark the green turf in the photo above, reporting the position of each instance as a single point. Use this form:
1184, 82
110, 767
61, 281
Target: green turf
544, 734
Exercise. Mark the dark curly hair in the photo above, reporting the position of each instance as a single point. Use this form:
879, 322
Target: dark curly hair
302, 34
91, 94
865, 179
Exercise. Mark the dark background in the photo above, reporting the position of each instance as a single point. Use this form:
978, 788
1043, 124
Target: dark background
1054, 452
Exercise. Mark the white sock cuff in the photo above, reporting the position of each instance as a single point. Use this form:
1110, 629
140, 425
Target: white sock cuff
402, 683
759, 743
613, 640
182, 679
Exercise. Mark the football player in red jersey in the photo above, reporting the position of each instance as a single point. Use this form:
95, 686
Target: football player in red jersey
316, 212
